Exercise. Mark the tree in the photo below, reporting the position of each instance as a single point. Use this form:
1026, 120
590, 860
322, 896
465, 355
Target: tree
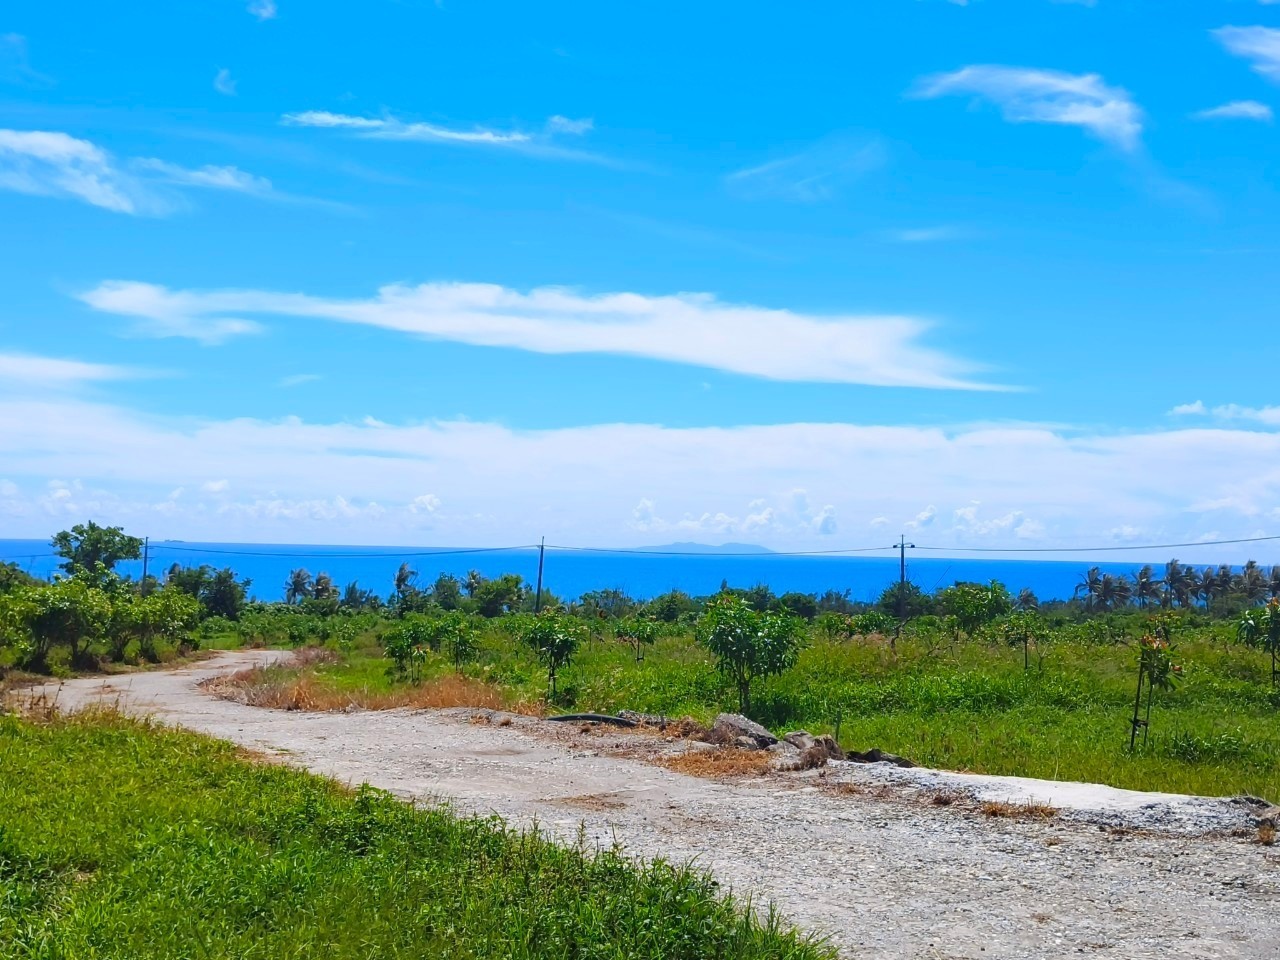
66, 613
1027, 601
446, 592
640, 632
12, 576
555, 638
1178, 585
748, 644
799, 604
1146, 587
1253, 582
323, 587
1260, 627
974, 605
905, 597
671, 606
406, 577
298, 587
473, 581
168, 614
87, 544
609, 604
218, 591
501, 595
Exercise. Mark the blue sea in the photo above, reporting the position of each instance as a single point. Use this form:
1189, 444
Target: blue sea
570, 573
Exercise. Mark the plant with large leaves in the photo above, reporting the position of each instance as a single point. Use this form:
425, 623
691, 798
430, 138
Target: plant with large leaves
748, 644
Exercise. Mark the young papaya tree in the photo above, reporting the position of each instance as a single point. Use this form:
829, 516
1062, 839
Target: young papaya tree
746, 643
640, 632
555, 638
1260, 627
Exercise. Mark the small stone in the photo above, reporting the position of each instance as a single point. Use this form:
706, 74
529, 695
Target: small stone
729, 726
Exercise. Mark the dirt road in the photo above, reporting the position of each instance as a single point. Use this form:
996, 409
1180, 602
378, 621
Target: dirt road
883, 876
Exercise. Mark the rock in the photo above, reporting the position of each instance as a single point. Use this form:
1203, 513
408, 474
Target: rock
827, 745
729, 726
800, 739
876, 755
746, 743
1270, 817
784, 748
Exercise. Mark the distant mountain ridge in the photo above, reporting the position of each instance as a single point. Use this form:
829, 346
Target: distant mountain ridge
745, 549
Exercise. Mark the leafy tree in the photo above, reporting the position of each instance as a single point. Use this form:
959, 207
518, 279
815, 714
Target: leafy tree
640, 632
446, 592
906, 600
608, 604
670, 607
322, 588
354, 598
168, 614
13, 576
298, 587
836, 601
798, 604
973, 605
224, 595
1261, 628
67, 613
748, 644
555, 638
501, 595
87, 544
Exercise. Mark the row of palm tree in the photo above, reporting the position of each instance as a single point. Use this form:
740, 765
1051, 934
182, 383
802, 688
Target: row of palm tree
1182, 586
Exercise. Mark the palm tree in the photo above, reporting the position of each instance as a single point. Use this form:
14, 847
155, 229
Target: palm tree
323, 588
1027, 600
405, 578
1146, 588
1253, 582
298, 587
1178, 585
1113, 592
1209, 589
1273, 582
473, 582
1089, 585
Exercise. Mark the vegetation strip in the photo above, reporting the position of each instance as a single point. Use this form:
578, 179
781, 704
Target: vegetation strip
122, 839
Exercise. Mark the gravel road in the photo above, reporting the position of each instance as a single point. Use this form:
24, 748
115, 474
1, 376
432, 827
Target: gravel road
877, 869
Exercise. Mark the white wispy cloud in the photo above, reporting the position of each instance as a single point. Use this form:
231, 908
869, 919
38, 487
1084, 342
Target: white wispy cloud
559, 124
1259, 45
541, 143
224, 83
695, 329
24, 370
298, 379
15, 63
611, 484
263, 9
54, 164
207, 177
811, 175
1237, 110
936, 234
1268, 416
1026, 95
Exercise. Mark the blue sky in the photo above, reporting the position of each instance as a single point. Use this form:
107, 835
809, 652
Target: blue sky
998, 273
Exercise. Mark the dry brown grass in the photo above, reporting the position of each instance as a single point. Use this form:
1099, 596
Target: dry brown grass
1267, 835
265, 687
1020, 811
718, 764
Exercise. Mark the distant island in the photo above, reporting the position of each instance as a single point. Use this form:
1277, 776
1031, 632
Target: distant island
742, 548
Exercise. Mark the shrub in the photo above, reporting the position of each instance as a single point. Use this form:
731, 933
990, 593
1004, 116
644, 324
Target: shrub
748, 644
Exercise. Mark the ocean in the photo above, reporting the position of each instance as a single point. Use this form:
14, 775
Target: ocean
570, 573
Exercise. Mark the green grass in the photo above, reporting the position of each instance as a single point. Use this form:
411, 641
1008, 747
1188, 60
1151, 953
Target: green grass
123, 840
967, 706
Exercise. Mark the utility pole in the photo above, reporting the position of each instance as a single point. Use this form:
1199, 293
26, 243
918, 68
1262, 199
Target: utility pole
537, 597
146, 556
902, 583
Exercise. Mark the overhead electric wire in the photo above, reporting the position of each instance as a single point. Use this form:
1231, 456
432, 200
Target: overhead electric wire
1108, 549
299, 555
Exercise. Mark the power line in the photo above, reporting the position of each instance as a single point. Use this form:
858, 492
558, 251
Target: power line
346, 556
641, 552
1109, 549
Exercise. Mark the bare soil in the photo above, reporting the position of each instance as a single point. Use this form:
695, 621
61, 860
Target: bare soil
885, 862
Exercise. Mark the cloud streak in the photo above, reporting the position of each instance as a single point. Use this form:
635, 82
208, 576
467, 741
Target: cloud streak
1237, 110
811, 176
694, 329
1026, 95
1259, 45
26, 371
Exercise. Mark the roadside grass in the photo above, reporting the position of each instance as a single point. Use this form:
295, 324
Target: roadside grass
961, 706
119, 839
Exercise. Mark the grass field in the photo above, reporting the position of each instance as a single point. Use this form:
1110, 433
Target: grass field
123, 840
967, 706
